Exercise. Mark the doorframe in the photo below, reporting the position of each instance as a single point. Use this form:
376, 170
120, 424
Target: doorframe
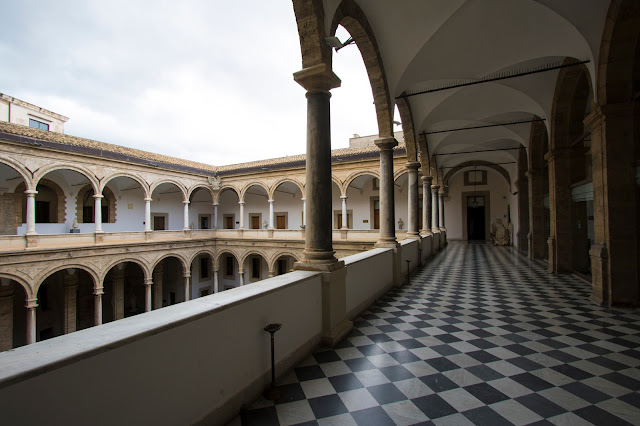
166, 220
487, 213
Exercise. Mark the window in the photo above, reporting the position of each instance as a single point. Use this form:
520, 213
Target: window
204, 267
282, 266
38, 124
255, 267
228, 266
475, 177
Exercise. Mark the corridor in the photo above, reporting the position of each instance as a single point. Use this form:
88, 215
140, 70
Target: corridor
481, 336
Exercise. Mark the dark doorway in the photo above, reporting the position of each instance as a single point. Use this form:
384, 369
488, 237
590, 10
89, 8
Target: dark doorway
42, 212
476, 218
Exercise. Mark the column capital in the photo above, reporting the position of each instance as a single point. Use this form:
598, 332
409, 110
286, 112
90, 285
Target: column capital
240, 202
303, 199
317, 78
435, 188
412, 165
216, 204
31, 192
270, 201
31, 303
98, 292
427, 179
96, 196
186, 202
385, 144
186, 274
149, 199
599, 115
240, 271
148, 282
343, 197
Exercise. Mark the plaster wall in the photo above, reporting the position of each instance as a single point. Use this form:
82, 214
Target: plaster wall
228, 204
499, 198
20, 115
292, 204
256, 204
169, 203
369, 275
360, 203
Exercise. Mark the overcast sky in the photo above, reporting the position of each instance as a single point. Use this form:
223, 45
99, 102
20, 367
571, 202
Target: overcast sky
209, 81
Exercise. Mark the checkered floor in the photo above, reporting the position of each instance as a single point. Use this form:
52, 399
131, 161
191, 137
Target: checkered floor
481, 336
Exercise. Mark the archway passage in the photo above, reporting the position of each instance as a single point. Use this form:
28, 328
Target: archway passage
283, 264
287, 206
255, 268
85, 206
13, 329
228, 209
167, 207
10, 200
201, 209
169, 282
363, 202
255, 210
202, 279
228, 272
65, 303
124, 292
130, 210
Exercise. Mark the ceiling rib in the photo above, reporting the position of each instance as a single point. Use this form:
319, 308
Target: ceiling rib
482, 150
509, 123
481, 165
498, 76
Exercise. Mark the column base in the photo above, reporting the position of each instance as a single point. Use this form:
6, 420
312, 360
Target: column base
413, 235
32, 240
426, 233
318, 260
270, 232
387, 244
98, 237
344, 232
306, 265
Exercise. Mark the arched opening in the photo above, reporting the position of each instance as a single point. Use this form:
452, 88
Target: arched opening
256, 208
167, 207
85, 206
130, 212
124, 292
401, 191
228, 209
255, 268
50, 206
287, 206
13, 330
202, 276
283, 264
168, 283
228, 275
363, 196
65, 303
201, 209
10, 200
336, 203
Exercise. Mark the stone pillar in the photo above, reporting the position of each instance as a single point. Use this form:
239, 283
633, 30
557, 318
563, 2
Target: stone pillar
187, 286
441, 210
241, 214
31, 320
536, 235
412, 226
387, 206
426, 205
270, 214
147, 214
435, 217
97, 306
241, 276
345, 221
216, 283
118, 292
70, 300
158, 274
215, 216
148, 285
560, 247
97, 213
6, 314
522, 186
614, 254
304, 212
31, 211
186, 215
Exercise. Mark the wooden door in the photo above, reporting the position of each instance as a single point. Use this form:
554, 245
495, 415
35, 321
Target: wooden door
228, 222
158, 223
376, 219
255, 222
280, 222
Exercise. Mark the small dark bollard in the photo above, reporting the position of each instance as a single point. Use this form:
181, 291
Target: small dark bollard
408, 263
273, 392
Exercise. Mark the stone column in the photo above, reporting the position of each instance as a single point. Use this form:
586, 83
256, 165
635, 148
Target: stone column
147, 214
118, 292
304, 211
412, 226
387, 206
318, 81
426, 205
31, 320
6, 314
441, 210
270, 214
186, 215
435, 210
216, 283
97, 213
70, 300
345, 221
560, 246
148, 286
241, 214
215, 216
97, 306
187, 286
241, 276
31, 211
158, 274
614, 255
522, 186
537, 238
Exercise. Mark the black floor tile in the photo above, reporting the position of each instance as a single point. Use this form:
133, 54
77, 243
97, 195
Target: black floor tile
345, 382
486, 393
310, 372
386, 393
486, 416
434, 406
438, 382
374, 416
327, 406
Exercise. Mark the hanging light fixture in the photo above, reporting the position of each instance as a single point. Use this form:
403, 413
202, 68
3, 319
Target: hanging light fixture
474, 203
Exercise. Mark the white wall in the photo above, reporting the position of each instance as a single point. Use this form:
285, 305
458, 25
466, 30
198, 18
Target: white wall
228, 204
292, 204
500, 196
169, 203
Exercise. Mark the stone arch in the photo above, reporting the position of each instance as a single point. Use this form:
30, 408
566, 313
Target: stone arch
352, 18
87, 192
399, 172
22, 282
243, 191
310, 19
143, 265
275, 186
356, 175
195, 255
178, 184
93, 273
216, 199
197, 186
408, 128
60, 207
217, 257
183, 260
248, 253
22, 171
339, 184
144, 185
274, 259
90, 176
